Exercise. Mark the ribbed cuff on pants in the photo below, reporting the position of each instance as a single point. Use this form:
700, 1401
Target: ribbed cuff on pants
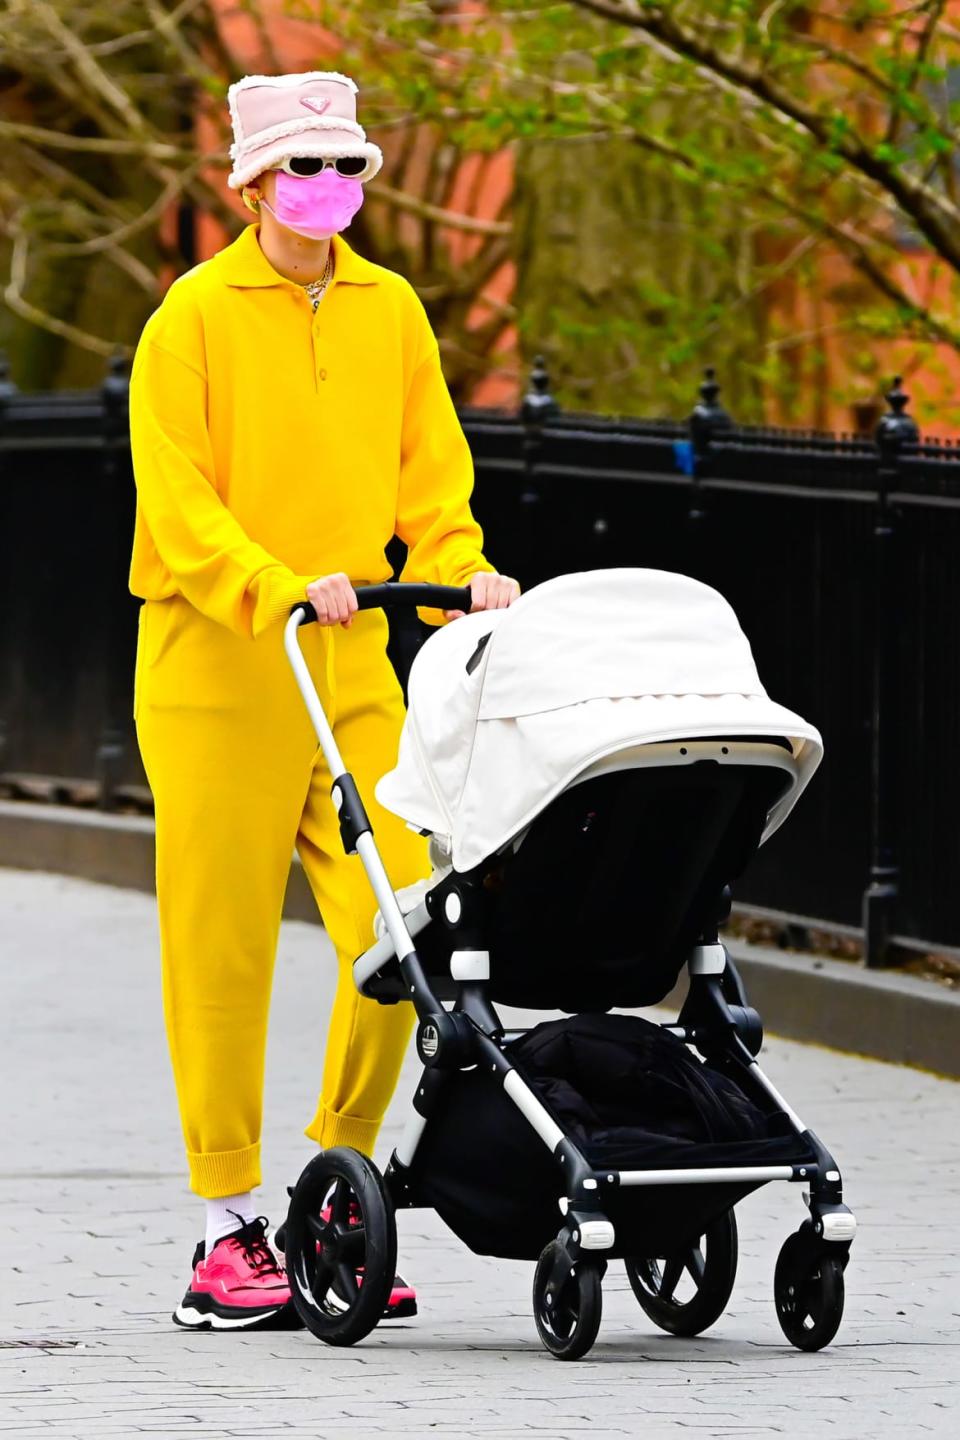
329, 1129
224, 1172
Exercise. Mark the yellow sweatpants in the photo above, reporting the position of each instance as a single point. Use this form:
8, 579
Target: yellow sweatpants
238, 780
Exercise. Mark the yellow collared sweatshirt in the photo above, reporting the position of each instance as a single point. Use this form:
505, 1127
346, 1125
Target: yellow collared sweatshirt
272, 445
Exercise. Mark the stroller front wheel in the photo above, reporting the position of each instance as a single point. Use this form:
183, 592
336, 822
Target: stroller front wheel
808, 1292
709, 1266
340, 1247
567, 1302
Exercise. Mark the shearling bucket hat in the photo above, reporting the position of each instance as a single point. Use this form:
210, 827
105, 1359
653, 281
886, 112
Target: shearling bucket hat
278, 116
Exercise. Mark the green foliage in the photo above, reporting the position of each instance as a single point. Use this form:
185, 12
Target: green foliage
769, 135
795, 124
97, 149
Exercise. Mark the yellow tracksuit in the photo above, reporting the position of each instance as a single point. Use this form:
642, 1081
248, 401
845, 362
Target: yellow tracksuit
272, 445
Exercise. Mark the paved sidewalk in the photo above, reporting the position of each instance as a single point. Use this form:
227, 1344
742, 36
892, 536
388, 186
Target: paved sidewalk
98, 1231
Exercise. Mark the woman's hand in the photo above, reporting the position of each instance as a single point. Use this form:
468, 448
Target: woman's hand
490, 592
334, 599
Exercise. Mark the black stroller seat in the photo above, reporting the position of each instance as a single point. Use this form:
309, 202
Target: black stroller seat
615, 881
600, 902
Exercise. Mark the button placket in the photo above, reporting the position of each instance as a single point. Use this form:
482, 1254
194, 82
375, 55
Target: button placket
320, 370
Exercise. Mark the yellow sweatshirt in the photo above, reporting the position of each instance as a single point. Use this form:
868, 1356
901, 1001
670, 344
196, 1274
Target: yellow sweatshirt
272, 445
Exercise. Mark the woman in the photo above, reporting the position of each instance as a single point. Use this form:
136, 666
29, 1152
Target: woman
288, 416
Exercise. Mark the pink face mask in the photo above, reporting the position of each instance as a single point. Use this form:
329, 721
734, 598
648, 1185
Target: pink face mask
316, 206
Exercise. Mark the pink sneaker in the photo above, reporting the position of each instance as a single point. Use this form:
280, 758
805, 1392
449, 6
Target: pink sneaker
239, 1286
403, 1300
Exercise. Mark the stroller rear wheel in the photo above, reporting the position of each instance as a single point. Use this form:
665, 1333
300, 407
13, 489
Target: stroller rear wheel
567, 1302
808, 1292
708, 1268
340, 1246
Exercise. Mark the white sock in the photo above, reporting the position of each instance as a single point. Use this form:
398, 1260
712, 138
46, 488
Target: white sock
222, 1216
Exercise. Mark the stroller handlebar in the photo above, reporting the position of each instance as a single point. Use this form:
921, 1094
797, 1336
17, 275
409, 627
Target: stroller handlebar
393, 596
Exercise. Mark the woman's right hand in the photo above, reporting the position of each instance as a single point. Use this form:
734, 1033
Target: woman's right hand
334, 599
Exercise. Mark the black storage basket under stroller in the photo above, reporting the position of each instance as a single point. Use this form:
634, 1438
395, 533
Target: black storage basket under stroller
631, 1095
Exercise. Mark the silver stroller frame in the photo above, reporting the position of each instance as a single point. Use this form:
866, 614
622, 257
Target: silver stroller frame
470, 1034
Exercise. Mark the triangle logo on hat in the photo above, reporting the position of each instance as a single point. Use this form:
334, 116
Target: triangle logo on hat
315, 103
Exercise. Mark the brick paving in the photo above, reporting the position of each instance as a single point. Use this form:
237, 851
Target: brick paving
99, 1227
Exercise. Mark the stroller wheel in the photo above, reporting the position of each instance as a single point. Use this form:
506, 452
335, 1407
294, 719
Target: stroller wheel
340, 1246
687, 1292
808, 1292
567, 1302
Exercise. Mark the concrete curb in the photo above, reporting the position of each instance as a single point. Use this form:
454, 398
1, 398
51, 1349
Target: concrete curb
879, 1013
882, 1014
111, 849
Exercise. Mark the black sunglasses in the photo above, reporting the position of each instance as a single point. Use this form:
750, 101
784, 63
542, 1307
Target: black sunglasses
349, 166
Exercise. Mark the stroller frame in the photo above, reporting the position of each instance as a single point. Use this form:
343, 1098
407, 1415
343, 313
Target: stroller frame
715, 1019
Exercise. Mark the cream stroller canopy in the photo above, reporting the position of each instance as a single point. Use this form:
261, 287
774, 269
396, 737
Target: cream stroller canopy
508, 708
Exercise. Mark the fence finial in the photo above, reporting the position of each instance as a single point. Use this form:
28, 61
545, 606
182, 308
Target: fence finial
710, 387
115, 381
896, 428
538, 404
708, 415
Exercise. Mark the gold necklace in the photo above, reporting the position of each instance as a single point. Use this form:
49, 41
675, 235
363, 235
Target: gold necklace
316, 288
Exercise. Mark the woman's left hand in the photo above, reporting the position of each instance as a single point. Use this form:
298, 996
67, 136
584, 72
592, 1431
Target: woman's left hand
490, 592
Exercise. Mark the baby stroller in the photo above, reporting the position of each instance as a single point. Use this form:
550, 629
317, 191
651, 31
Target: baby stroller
594, 766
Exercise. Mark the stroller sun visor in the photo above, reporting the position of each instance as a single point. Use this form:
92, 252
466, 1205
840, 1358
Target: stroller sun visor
508, 708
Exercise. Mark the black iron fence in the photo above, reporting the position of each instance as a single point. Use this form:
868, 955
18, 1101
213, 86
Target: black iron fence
837, 552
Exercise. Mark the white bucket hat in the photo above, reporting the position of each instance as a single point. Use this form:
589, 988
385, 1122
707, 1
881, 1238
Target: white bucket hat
276, 117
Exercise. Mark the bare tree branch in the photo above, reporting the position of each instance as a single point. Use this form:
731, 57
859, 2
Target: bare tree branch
935, 12
453, 219
15, 299
817, 46
144, 221
93, 144
934, 214
167, 27
861, 251
86, 66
